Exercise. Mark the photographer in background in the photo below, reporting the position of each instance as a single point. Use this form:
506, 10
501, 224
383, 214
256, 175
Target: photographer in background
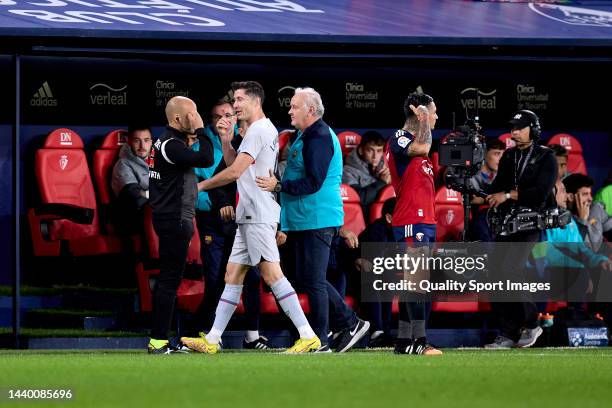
526, 176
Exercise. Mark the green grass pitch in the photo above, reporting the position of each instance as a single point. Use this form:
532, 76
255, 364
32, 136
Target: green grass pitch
460, 378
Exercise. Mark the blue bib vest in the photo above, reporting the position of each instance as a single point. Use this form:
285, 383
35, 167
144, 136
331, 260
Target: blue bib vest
318, 210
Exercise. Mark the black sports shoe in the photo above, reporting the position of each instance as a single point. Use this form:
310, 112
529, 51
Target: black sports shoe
382, 340
418, 346
349, 337
333, 339
422, 347
403, 346
323, 349
260, 344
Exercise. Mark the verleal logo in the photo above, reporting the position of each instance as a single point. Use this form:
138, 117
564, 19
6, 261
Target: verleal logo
284, 96
103, 94
474, 98
43, 97
573, 15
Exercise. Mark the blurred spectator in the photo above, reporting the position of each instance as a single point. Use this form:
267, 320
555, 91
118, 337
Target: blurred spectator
480, 230
130, 180
561, 156
483, 179
592, 218
365, 169
380, 231
567, 257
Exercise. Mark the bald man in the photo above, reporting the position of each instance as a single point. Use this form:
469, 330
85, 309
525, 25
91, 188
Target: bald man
172, 195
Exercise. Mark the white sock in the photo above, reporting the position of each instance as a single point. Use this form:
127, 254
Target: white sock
252, 335
225, 309
287, 298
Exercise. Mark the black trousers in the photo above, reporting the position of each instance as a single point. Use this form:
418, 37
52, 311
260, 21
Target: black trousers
174, 237
515, 315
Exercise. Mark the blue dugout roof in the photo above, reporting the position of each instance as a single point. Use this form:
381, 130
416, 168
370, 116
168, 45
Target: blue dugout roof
443, 22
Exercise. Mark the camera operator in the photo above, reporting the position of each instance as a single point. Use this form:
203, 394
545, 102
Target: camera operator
526, 177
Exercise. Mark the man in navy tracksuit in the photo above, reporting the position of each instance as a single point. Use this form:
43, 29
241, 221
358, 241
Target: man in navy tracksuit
312, 213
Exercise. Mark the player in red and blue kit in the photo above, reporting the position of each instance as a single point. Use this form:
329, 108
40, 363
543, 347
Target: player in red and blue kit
414, 219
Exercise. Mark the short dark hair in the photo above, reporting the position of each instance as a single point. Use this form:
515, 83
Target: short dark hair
251, 88
222, 101
389, 206
372, 136
415, 99
494, 143
134, 127
576, 181
559, 150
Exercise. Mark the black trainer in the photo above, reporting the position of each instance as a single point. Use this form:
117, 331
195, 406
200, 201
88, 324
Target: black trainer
260, 344
403, 346
333, 339
422, 347
380, 341
418, 346
349, 337
323, 349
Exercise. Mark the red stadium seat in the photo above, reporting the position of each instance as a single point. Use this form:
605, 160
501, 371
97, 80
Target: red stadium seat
555, 306
461, 304
353, 215
64, 183
190, 292
283, 139
507, 140
349, 140
575, 159
449, 212
103, 161
457, 305
384, 194
438, 170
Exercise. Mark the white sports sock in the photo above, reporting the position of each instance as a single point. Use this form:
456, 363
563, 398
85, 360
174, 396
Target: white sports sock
287, 298
225, 309
252, 335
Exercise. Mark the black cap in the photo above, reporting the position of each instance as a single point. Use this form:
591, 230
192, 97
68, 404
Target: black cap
523, 118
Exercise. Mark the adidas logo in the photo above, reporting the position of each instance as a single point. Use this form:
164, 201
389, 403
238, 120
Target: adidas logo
43, 97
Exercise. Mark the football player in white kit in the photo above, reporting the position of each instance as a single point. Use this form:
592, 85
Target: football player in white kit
257, 216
